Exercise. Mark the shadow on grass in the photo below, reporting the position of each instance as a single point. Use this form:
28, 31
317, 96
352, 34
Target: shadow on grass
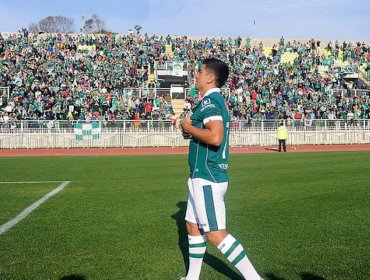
179, 217
304, 276
209, 259
271, 276
73, 277
310, 276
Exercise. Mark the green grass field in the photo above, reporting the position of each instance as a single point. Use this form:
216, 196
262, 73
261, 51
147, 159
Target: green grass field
299, 216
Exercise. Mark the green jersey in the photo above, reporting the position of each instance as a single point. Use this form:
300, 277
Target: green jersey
206, 161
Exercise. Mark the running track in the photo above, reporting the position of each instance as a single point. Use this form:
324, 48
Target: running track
172, 151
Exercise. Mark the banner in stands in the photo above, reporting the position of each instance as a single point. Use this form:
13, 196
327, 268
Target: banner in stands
177, 69
87, 131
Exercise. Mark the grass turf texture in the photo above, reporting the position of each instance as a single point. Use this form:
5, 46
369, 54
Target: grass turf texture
299, 216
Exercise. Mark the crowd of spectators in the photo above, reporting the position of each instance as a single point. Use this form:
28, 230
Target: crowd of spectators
92, 77
262, 87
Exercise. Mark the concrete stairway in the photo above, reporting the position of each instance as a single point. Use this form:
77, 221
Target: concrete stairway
151, 77
178, 106
288, 57
169, 51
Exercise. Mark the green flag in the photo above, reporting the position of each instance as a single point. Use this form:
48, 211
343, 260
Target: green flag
193, 91
87, 131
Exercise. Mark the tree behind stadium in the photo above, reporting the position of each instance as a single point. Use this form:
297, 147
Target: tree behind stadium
53, 24
61, 24
95, 24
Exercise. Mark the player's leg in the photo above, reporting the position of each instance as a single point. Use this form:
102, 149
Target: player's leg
215, 227
197, 249
284, 145
280, 142
236, 254
197, 241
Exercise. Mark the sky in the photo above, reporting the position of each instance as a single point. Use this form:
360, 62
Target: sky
295, 19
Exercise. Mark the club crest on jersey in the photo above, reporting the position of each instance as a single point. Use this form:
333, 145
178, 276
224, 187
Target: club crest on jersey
207, 103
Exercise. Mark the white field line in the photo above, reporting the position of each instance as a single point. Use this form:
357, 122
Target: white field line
29, 209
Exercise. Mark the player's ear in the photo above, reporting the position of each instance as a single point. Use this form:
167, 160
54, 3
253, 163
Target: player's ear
211, 78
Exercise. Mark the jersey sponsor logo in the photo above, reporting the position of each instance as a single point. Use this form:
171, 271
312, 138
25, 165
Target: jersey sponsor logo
207, 103
223, 166
208, 106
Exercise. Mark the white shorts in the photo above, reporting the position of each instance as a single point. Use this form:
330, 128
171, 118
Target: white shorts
206, 206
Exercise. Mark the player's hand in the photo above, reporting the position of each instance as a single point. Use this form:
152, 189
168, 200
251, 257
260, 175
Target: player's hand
186, 135
185, 123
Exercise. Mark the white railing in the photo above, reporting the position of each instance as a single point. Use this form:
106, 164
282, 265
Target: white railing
32, 135
351, 92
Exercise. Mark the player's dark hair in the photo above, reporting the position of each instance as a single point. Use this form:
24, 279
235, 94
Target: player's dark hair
219, 69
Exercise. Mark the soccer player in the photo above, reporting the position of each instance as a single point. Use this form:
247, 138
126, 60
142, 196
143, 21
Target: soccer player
208, 129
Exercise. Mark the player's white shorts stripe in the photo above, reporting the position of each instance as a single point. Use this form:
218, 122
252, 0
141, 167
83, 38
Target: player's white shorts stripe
206, 205
210, 207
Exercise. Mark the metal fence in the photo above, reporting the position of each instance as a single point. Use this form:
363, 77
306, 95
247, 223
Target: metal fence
61, 134
350, 92
151, 93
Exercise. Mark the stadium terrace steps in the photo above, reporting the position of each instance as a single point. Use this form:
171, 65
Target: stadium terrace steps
323, 70
169, 51
178, 106
340, 62
151, 77
363, 68
267, 51
325, 52
363, 76
288, 57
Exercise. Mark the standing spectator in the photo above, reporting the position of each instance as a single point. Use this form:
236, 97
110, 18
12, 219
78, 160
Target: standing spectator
173, 122
137, 121
282, 135
148, 109
25, 33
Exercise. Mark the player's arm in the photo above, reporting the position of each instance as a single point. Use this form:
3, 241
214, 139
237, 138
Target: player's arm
212, 134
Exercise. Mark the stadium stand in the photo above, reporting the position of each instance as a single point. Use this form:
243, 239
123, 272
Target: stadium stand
115, 77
